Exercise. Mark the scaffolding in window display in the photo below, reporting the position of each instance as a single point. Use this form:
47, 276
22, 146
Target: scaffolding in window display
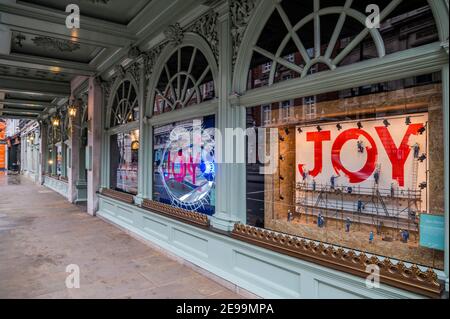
383, 208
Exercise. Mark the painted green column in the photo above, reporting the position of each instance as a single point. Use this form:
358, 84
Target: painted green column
230, 188
446, 106
143, 139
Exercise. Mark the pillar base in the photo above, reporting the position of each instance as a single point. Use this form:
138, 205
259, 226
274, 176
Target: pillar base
224, 221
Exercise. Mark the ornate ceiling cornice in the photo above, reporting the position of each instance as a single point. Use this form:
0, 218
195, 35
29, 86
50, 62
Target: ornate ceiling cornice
56, 44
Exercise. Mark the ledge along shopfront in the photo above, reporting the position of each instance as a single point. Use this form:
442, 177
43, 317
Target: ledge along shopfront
283, 146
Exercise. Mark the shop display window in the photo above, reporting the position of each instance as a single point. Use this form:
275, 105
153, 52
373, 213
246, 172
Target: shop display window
183, 174
124, 149
360, 168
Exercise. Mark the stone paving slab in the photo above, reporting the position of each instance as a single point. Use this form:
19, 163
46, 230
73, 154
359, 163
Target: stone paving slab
41, 234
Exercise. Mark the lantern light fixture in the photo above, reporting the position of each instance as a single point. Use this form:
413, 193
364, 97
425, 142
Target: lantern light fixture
386, 123
72, 110
55, 121
408, 120
339, 126
360, 126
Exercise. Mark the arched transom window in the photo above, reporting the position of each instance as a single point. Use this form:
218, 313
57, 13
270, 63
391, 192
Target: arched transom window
185, 80
304, 37
125, 107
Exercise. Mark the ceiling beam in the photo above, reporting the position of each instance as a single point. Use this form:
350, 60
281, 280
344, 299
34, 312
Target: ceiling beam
45, 64
19, 111
37, 21
11, 84
18, 117
26, 103
148, 25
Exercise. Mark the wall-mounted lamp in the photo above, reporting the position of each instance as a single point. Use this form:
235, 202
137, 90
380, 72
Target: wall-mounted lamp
339, 127
360, 126
408, 120
72, 110
386, 123
50, 162
319, 129
55, 121
299, 130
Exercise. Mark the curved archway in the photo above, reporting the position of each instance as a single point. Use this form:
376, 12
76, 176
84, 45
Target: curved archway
179, 74
313, 56
123, 104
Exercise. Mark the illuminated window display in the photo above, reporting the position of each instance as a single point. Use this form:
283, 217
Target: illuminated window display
124, 162
124, 142
184, 175
363, 171
59, 160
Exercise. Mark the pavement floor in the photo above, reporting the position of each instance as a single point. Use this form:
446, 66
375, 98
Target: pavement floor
41, 234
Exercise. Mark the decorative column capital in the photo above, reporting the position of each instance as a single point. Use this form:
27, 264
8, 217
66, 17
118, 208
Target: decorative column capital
174, 34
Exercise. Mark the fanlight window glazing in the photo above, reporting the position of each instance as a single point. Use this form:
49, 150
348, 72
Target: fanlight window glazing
305, 37
186, 80
125, 107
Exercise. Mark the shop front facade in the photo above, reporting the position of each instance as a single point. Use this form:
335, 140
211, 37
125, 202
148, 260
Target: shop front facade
290, 148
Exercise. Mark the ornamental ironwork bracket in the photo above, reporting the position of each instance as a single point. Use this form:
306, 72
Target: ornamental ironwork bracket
193, 218
397, 275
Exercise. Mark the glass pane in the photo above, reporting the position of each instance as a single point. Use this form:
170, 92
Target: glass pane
125, 108
186, 80
184, 164
124, 149
59, 160
408, 25
358, 168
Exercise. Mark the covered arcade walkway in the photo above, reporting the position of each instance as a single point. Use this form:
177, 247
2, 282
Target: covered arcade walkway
41, 234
